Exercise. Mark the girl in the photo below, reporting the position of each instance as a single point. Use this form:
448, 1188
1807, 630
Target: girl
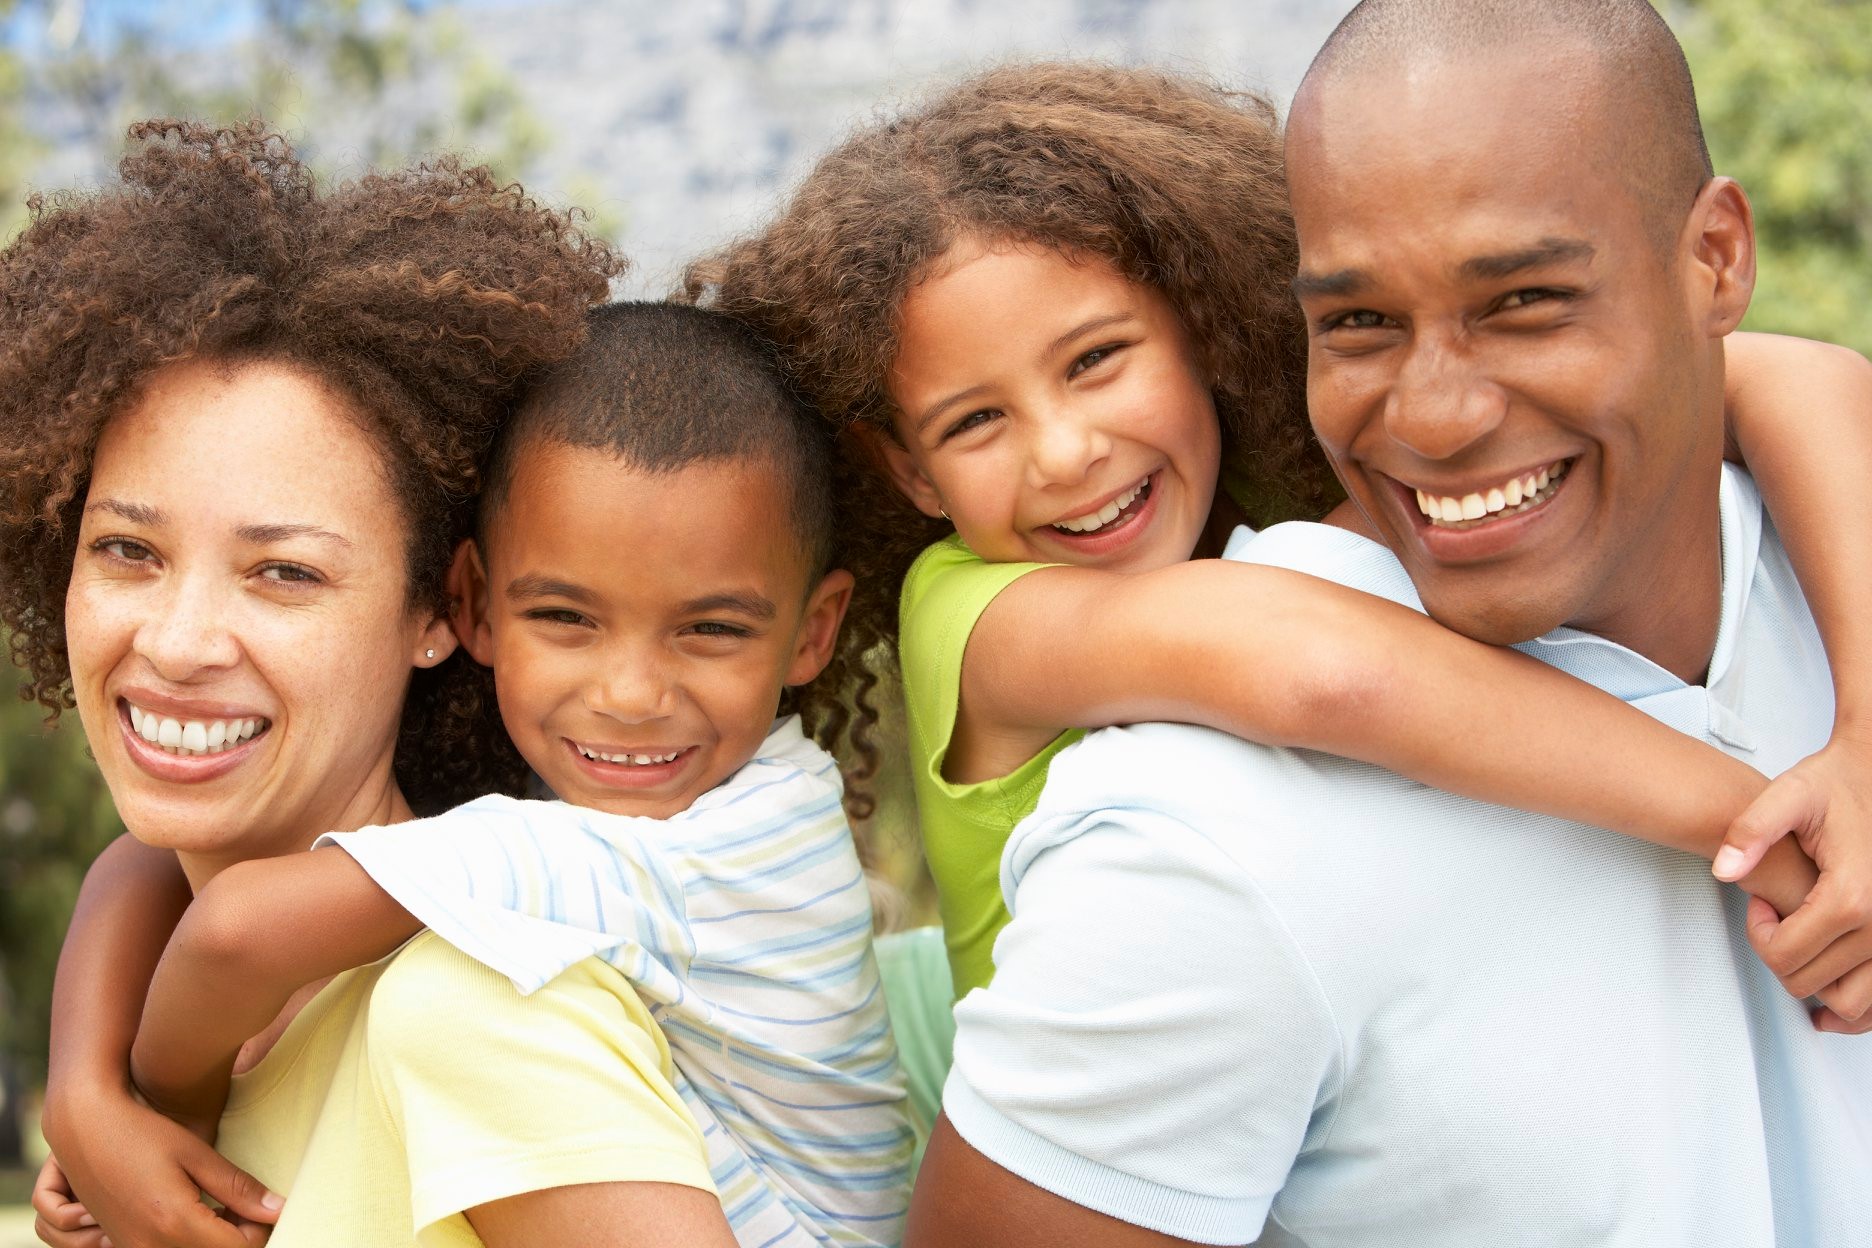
1050, 309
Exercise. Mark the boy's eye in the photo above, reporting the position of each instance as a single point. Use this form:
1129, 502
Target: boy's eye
558, 615
291, 574
718, 628
974, 420
1097, 355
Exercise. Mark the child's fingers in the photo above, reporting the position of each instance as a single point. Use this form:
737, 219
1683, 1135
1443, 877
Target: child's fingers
1849, 1002
1787, 803
238, 1192
54, 1204
1832, 910
89, 1237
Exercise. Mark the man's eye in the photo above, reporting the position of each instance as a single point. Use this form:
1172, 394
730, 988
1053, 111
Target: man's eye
716, 628
1361, 319
1530, 296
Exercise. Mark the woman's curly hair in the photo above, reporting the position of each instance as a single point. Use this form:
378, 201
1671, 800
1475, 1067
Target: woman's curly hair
423, 298
1177, 184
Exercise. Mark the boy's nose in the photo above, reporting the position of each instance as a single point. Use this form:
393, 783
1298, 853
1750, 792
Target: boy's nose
632, 692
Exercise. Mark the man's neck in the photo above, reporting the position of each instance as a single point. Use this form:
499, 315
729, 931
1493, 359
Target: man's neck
1669, 608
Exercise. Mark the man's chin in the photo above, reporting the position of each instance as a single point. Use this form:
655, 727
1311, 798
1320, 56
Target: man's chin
1505, 618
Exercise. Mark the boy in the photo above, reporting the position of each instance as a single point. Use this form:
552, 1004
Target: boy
650, 575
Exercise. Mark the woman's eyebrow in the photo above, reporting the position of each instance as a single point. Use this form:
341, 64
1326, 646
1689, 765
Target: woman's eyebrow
135, 513
265, 534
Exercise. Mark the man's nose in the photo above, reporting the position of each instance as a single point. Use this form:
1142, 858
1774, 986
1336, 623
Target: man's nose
1065, 445
189, 630
1441, 402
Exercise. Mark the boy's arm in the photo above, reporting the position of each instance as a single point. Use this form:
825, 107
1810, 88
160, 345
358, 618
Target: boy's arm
257, 933
1800, 414
1282, 658
137, 1174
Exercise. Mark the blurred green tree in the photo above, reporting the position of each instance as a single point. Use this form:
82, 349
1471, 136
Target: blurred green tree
1786, 91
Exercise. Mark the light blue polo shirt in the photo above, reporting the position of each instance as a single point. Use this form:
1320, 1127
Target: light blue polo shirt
1250, 991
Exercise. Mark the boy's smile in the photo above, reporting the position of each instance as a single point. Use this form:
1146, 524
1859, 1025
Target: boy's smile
641, 625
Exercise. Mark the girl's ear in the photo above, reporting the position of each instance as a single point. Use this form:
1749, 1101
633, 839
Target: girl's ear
895, 463
468, 602
819, 627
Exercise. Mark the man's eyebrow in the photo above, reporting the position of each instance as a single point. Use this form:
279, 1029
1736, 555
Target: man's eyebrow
266, 534
135, 513
754, 606
1341, 282
538, 585
1508, 263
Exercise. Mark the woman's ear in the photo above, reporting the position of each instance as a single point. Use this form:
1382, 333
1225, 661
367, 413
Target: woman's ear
435, 643
469, 602
896, 464
819, 627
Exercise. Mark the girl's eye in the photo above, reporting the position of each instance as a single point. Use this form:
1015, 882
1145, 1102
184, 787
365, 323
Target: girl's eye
291, 574
124, 548
974, 420
1093, 357
559, 615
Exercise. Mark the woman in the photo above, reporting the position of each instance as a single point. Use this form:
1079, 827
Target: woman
239, 424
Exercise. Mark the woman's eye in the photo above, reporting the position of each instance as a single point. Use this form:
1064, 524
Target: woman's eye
125, 549
974, 420
291, 574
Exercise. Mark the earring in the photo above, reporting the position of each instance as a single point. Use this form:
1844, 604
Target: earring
944, 515
428, 654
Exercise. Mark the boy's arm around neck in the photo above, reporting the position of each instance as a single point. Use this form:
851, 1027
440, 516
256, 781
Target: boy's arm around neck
257, 933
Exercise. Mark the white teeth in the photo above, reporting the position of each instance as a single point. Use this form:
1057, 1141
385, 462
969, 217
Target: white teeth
630, 760
1095, 520
191, 737
1516, 494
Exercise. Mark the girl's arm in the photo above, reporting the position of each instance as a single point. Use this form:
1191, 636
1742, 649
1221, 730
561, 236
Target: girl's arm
257, 933
120, 1164
1287, 659
1800, 413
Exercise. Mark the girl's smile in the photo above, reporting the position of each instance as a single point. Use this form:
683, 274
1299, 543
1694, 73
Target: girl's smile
1053, 409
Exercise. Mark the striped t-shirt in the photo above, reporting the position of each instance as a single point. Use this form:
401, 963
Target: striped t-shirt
745, 924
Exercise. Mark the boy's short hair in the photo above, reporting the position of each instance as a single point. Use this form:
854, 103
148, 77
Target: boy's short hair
663, 386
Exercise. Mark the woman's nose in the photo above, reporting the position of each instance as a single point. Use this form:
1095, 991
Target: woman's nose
189, 631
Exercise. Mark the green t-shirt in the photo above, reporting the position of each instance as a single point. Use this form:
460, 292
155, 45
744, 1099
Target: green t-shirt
964, 826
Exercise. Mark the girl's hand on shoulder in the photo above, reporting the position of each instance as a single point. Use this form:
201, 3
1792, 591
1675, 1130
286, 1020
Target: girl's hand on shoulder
140, 1185
1822, 949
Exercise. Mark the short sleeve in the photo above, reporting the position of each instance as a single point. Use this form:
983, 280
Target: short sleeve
495, 1094
1153, 1046
963, 826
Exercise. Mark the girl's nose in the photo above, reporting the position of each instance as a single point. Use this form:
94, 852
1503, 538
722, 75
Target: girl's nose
1065, 447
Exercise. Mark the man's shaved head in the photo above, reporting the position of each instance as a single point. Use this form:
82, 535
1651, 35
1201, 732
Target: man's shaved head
1647, 105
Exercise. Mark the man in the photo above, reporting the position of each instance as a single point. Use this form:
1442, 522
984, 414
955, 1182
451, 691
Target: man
1259, 994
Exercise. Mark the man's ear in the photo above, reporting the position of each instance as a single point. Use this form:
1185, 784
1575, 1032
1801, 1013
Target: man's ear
1722, 254
469, 602
819, 627
883, 453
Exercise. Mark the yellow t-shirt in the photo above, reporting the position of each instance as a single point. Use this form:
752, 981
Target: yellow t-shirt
409, 1091
964, 826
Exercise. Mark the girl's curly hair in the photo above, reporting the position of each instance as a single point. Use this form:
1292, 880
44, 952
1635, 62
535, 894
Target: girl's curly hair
1177, 184
422, 297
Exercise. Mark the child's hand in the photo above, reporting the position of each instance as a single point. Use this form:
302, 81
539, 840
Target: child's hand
1823, 948
142, 1188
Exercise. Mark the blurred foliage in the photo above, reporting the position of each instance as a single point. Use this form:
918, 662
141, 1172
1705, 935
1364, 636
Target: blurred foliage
1786, 96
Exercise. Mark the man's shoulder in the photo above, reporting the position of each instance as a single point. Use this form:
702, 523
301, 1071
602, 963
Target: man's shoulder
1330, 553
